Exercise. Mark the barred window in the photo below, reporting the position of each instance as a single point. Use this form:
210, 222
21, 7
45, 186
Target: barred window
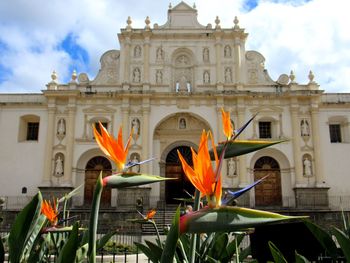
265, 129
335, 133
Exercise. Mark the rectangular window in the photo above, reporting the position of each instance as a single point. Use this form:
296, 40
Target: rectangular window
32, 131
335, 133
265, 129
97, 126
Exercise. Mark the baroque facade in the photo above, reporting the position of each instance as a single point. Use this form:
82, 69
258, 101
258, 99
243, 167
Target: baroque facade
169, 82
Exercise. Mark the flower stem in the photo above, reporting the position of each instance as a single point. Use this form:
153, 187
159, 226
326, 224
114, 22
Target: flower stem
194, 236
94, 219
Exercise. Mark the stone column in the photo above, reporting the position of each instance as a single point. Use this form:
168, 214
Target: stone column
145, 135
127, 59
146, 59
49, 142
242, 164
218, 54
320, 181
70, 135
125, 114
238, 59
298, 168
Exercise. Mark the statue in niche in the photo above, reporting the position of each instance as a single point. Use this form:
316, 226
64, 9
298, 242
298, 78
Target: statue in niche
135, 125
135, 159
228, 75
59, 166
231, 167
206, 77
182, 84
137, 51
206, 54
61, 127
160, 54
227, 51
136, 75
182, 123
159, 77
305, 129
307, 167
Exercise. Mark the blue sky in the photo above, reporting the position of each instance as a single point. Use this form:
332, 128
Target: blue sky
39, 36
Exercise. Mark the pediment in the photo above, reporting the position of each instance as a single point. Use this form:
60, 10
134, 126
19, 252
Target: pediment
267, 109
99, 109
182, 6
182, 16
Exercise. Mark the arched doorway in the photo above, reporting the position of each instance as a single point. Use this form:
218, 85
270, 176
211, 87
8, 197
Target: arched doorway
176, 189
92, 171
268, 192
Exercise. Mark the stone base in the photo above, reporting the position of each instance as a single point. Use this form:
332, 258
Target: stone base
134, 198
48, 192
311, 198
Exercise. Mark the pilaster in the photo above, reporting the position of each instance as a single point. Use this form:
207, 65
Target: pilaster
49, 142
298, 168
242, 171
70, 142
145, 134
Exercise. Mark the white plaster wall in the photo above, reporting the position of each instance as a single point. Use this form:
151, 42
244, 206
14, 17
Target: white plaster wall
22, 163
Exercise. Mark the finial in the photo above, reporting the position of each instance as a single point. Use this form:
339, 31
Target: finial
128, 21
217, 22
74, 75
147, 22
292, 76
236, 21
170, 6
54, 76
194, 6
311, 77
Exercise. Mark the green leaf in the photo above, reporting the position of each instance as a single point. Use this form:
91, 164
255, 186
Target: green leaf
219, 247
147, 251
300, 259
276, 254
72, 193
103, 240
2, 251
227, 218
69, 250
240, 147
324, 238
171, 240
231, 248
343, 241
123, 180
81, 253
156, 250
22, 228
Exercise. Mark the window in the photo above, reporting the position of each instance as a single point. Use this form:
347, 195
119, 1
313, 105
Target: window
105, 124
29, 128
32, 131
265, 129
335, 133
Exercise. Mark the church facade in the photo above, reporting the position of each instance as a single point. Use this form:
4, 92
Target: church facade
169, 82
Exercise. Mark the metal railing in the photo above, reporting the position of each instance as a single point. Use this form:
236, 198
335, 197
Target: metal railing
335, 203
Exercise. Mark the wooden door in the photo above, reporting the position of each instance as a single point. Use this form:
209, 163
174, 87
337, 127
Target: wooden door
177, 189
92, 172
268, 192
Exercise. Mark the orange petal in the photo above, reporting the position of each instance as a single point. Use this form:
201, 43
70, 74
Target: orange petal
227, 125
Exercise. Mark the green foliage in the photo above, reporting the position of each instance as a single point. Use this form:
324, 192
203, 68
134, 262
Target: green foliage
323, 237
123, 180
344, 242
300, 259
276, 254
2, 251
68, 252
24, 226
172, 239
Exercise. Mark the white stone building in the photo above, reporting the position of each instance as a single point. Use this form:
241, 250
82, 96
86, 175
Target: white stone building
170, 82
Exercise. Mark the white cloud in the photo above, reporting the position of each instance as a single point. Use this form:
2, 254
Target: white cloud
299, 35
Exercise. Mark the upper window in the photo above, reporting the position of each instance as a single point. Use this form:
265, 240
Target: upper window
335, 133
97, 126
32, 131
338, 129
265, 129
29, 128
